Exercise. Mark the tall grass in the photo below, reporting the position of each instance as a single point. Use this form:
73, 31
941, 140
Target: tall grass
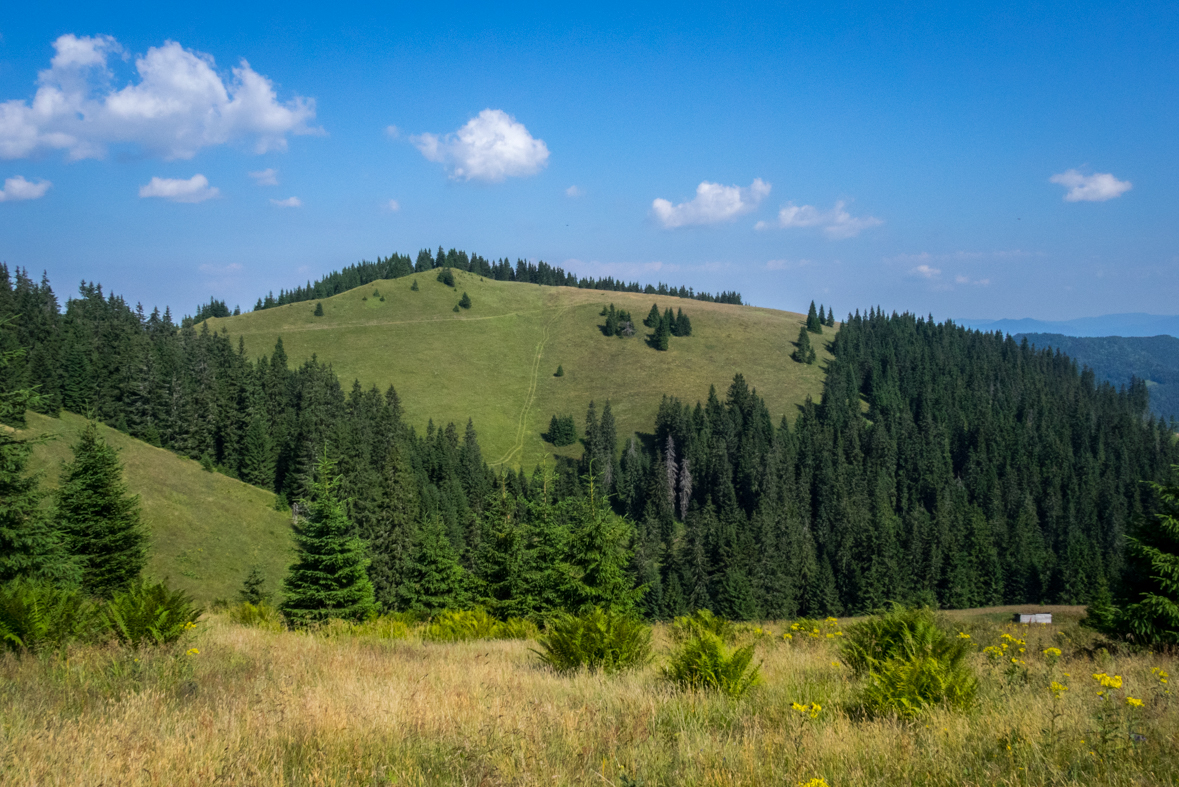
255, 707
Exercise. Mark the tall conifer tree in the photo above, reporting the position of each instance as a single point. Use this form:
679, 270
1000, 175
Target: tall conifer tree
100, 518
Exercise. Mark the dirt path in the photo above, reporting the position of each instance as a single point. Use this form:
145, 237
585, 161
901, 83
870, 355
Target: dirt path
530, 397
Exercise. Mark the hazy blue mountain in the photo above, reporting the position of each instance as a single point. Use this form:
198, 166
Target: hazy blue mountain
1106, 325
1118, 358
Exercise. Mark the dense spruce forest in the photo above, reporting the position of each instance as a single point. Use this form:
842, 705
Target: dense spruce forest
941, 465
398, 265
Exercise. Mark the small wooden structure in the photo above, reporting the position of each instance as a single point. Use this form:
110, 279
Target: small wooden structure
1033, 617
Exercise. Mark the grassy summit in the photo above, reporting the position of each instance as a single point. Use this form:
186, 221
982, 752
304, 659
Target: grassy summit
207, 529
495, 362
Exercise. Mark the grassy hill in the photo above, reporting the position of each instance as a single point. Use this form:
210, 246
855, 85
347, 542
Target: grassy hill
207, 529
495, 362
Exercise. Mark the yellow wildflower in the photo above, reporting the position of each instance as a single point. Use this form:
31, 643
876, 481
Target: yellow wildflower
811, 710
963, 635
1052, 653
193, 652
1057, 689
1108, 681
1133, 703
818, 781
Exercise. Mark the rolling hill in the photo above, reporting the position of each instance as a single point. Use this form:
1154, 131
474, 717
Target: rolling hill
207, 529
495, 362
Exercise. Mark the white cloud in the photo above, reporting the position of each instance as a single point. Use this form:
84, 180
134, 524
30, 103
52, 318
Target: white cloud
960, 279
392, 132
195, 189
393, 205
837, 223
289, 202
179, 105
926, 271
16, 189
574, 192
490, 147
713, 204
265, 177
1099, 187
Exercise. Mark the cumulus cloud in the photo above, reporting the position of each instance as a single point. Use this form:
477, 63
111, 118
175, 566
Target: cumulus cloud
393, 205
926, 271
16, 189
265, 177
1098, 187
490, 147
289, 202
179, 105
195, 189
573, 192
836, 223
713, 204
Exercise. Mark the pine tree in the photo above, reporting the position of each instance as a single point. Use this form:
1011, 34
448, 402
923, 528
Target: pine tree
812, 320
599, 553
258, 461
435, 580
560, 371
414, 287
652, 320
465, 301
611, 321
1150, 611
393, 533
662, 337
30, 544
252, 592
319, 310
328, 578
803, 351
683, 324
99, 518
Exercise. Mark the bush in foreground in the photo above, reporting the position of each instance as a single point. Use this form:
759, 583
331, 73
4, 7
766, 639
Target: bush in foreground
37, 615
463, 625
909, 664
149, 614
702, 661
260, 615
702, 621
597, 640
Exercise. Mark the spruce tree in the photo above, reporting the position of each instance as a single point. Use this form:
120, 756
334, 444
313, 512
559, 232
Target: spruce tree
435, 580
99, 518
30, 545
812, 320
319, 310
560, 371
652, 320
328, 578
414, 287
258, 462
251, 591
803, 351
394, 530
599, 553
1149, 613
662, 339
465, 301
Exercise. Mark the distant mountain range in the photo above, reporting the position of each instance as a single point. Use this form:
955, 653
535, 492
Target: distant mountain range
1136, 324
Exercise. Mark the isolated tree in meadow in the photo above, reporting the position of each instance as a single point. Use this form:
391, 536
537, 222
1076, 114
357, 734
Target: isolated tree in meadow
319, 310
414, 287
812, 320
560, 371
803, 351
446, 276
465, 301
100, 518
329, 578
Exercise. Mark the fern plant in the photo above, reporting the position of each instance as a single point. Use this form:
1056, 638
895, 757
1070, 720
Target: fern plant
260, 615
702, 621
152, 614
704, 662
36, 616
597, 640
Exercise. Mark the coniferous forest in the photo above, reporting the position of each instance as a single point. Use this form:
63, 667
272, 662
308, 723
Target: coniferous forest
941, 466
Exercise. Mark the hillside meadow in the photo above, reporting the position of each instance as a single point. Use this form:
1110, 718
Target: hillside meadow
237, 705
495, 363
206, 530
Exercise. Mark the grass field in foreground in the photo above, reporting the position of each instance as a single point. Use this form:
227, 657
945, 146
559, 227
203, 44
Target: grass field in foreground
495, 362
207, 529
262, 708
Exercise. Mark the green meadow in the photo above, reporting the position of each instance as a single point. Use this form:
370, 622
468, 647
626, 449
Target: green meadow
495, 362
207, 529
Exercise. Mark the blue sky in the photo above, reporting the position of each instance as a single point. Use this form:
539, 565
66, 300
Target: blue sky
966, 161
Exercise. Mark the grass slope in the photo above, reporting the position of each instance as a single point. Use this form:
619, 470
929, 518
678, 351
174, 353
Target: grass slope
207, 529
495, 362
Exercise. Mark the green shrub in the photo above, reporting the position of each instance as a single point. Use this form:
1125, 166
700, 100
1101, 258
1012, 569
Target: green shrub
702, 621
702, 661
909, 664
517, 628
908, 687
152, 614
461, 625
260, 615
36, 616
597, 640
446, 276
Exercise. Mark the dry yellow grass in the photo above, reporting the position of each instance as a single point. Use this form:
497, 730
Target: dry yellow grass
256, 707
